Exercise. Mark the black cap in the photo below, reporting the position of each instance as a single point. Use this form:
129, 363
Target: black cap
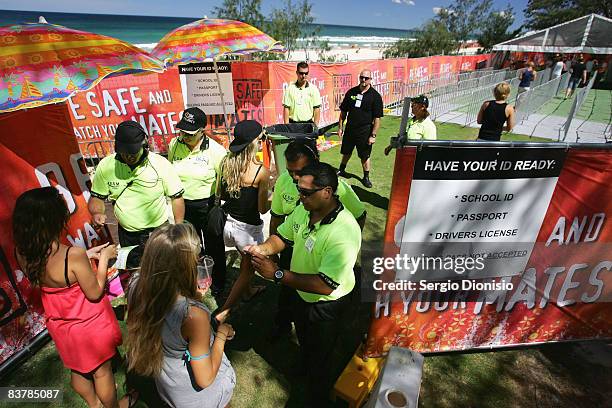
129, 137
192, 120
244, 133
422, 99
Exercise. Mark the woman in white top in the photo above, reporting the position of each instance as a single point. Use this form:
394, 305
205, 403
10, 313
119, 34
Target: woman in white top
558, 67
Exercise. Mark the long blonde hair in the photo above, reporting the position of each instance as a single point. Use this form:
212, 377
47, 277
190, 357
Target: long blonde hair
234, 165
168, 269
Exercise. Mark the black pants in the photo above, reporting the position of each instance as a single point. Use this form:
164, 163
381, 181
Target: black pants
131, 238
283, 316
318, 326
196, 213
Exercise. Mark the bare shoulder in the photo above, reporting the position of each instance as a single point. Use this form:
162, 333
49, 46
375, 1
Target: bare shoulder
196, 318
77, 254
264, 173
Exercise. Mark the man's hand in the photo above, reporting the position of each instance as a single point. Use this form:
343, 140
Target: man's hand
371, 140
340, 132
263, 265
99, 219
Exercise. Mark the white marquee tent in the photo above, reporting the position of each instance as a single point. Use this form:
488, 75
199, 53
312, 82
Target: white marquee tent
591, 34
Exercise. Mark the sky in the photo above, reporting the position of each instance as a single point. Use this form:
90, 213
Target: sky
399, 14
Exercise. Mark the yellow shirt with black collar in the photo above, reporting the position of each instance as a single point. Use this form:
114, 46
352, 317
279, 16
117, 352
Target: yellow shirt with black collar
198, 168
301, 102
139, 193
329, 249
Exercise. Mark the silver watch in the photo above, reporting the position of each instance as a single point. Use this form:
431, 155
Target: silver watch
279, 274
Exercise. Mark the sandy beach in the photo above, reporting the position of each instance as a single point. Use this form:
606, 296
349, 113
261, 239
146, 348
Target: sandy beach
342, 54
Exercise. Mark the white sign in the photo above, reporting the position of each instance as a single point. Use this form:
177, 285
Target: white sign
479, 202
201, 88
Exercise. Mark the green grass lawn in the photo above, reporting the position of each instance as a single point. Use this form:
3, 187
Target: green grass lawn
559, 375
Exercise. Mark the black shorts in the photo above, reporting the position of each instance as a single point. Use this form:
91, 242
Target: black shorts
360, 141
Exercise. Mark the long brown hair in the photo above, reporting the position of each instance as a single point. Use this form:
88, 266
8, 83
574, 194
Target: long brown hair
39, 218
168, 269
234, 165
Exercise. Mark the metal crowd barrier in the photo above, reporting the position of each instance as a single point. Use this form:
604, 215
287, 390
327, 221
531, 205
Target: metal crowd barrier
465, 96
478, 96
579, 98
530, 101
439, 82
474, 74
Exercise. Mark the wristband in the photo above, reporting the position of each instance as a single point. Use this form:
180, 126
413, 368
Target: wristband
373, 135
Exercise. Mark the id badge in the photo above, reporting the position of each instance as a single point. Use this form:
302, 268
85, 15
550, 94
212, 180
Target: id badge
358, 101
309, 244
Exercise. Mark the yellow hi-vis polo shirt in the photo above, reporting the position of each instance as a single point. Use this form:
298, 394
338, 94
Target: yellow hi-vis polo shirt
328, 248
301, 101
139, 194
286, 197
197, 169
424, 129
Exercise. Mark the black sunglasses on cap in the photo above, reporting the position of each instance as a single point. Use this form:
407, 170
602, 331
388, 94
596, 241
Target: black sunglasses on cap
364, 78
306, 192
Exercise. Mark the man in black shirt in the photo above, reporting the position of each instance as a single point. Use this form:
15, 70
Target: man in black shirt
364, 107
579, 73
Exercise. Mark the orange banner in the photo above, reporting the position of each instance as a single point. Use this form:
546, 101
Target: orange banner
38, 149
156, 100
563, 293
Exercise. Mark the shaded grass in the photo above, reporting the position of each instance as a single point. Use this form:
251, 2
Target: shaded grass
555, 375
597, 107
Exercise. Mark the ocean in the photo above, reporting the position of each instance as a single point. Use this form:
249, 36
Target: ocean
146, 31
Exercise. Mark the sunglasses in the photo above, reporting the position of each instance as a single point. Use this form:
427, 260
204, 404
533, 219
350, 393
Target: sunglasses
306, 192
364, 78
302, 73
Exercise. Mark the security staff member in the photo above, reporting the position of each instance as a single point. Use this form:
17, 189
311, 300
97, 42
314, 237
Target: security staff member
285, 199
362, 107
420, 126
301, 101
137, 182
326, 240
196, 159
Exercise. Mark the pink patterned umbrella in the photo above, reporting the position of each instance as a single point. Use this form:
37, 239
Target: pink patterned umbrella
211, 38
46, 63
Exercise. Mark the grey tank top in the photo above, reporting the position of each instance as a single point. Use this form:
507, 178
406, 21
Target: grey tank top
175, 384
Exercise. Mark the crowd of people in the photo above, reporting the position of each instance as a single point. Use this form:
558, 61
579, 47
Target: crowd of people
195, 203
164, 210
